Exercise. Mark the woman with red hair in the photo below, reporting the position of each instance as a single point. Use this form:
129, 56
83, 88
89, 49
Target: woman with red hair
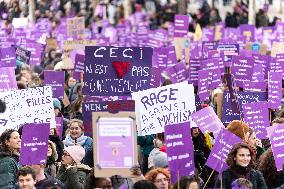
160, 177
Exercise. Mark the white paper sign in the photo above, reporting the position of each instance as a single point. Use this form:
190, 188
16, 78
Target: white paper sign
157, 107
20, 22
33, 105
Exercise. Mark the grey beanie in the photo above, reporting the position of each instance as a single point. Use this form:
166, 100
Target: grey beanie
160, 160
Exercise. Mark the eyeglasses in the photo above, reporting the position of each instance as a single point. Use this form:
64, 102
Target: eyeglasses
74, 128
161, 180
65, 154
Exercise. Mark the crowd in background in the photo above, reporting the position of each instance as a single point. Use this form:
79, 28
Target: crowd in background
70, 161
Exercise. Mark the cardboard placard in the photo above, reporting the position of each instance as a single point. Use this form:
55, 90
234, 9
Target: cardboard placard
119, 148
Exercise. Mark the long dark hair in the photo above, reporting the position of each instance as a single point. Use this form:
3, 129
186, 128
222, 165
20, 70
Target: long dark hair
6, 135
230, 159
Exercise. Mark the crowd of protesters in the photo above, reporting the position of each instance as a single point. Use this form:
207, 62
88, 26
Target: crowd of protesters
70, 162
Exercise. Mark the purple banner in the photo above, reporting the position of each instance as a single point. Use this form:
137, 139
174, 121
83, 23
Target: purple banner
55, 79
256, 115
207, 120
180, 150
181, 25
276, 137
111, 71
7, 79
274, 90
112, 107
8, 57
34, 144
219, 153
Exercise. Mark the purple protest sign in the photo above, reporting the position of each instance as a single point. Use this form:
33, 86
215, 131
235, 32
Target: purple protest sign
207, 120
274, 90
7, 79
242, 69
276, 137
34, 144
193, 70
55, 79
228, 114
177, 73
219, 153
208, 34
181, 25
256, 115
111, 71
8, 57
110, 106
229, 51
180, 150
59, 127
79, 63
161, 56
208, 46
264, 60
258, 75
172, 58
231, 33
213, 66
156, 77
254, 86
115, 142
248, 31
204, 81
36, 50
22, 56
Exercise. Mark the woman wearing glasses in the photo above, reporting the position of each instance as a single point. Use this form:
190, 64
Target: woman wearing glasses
160, 177
72, 173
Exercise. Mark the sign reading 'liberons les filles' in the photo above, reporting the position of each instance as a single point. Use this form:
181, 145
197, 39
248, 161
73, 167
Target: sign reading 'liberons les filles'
116, 71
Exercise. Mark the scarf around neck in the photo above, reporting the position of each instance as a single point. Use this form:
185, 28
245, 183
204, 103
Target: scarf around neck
69, 141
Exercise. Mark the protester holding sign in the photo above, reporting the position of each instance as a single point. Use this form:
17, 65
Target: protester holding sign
76, 136
241, 160
9, 158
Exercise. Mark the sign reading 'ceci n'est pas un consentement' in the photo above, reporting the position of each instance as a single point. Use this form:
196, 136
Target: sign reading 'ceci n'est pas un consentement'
116, 71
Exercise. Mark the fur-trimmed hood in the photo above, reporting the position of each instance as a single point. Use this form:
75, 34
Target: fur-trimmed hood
54, 152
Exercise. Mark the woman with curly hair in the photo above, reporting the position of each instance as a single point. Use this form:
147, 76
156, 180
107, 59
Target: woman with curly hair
267, 166
160, 177
241, 161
